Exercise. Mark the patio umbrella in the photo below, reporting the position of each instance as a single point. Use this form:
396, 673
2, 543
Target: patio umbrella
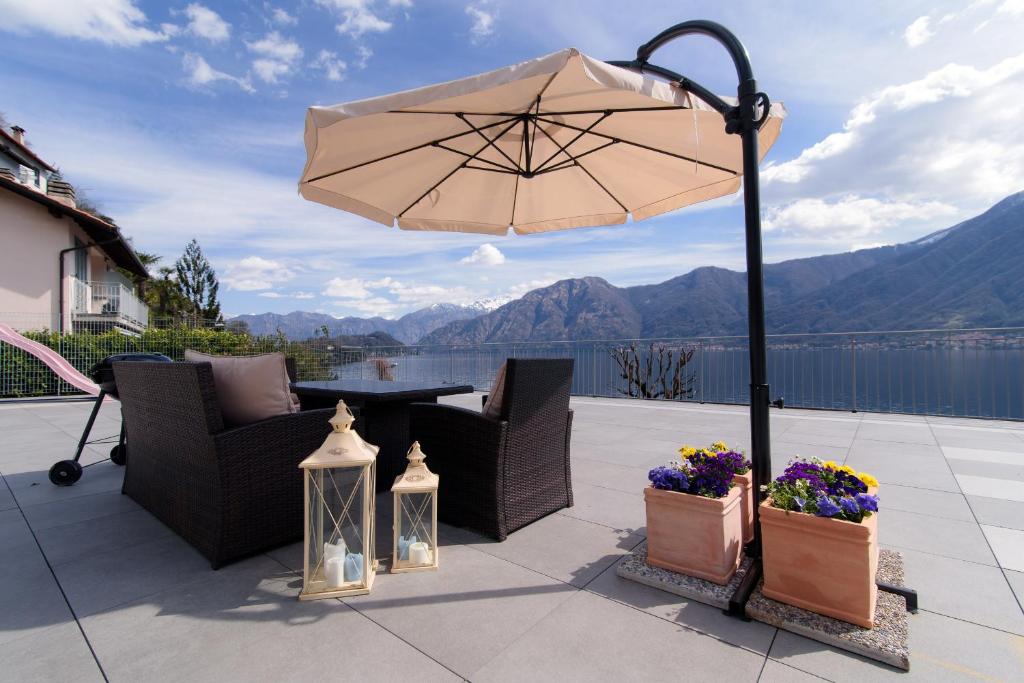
563, 141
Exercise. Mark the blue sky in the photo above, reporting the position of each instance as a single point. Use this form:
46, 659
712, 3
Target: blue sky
185, 120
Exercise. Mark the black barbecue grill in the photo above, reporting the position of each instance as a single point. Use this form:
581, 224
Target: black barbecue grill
67, 472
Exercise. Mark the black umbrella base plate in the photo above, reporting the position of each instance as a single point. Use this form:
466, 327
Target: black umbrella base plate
635, 568
886, 642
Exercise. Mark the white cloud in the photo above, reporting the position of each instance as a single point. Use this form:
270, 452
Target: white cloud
333, 67
255, 273
199, 73
407, 4
485, 255
293, 295
483, 21
919, 32
205, 23
1014, 8
112, 22
516, 291
850, 217
281, 16
357, 17
277, 56
364, 53
346, 288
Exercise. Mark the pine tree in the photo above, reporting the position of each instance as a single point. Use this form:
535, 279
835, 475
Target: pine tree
198, 283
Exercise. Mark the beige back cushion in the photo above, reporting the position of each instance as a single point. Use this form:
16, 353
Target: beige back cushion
249, 388
492, 408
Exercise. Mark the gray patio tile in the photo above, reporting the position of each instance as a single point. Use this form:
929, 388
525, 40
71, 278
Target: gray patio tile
898, 433
103, 580
30, 600
244, 622
964, 590
784, 451
49, 515
925, 501
991, 487
777, 672
998, 512
615, 509
985, 455
619, 477
563, 548
78, 540
590, 638
907, 470
834, 441
34, 487
894, 449
941, 649
751, 635
992, 439
59, 653
467, 612
1008, 546
945, 537
993, 470
1016, 581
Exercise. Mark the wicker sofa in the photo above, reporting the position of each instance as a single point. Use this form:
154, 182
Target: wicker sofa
498, 475
230, 493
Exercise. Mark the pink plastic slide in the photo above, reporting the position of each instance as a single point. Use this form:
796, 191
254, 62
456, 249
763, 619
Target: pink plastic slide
53, 360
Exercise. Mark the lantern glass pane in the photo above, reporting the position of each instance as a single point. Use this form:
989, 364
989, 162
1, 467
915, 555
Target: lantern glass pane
336, 528
415, 529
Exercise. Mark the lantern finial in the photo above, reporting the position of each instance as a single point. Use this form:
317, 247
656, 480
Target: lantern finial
343, 418
415, 456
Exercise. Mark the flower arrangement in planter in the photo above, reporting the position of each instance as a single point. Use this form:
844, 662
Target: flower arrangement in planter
741, 477
819, 531
694, 518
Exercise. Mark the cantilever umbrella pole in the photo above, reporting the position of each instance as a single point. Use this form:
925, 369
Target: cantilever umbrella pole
745, 121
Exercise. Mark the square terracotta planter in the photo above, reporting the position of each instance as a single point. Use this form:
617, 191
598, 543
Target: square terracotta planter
745, 483
823, 565
694, 535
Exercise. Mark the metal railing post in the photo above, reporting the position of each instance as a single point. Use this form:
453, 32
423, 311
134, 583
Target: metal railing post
853, 373
701, 387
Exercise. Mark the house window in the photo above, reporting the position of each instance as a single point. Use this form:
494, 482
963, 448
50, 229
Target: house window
28, 175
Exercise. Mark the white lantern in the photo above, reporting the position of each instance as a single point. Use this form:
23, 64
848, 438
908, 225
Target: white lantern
415, 529
340, 483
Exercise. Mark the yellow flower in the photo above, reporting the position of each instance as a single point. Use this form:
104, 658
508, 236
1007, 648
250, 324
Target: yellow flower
830, 465
849, 470
687, 451
867, 479
719, 446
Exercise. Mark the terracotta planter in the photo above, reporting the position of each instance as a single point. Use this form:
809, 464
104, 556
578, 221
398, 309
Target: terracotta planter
745, 483
823, 565
693, 535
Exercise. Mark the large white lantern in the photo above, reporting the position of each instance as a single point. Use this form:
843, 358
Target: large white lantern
415, 492
340, 483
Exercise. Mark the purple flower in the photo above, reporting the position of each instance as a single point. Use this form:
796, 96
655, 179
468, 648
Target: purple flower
850, 507
826, 508
668, 479
867, 502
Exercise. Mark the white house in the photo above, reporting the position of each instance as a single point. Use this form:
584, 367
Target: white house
58, 263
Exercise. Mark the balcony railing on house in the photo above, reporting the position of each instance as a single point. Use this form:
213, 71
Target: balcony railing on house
110, 303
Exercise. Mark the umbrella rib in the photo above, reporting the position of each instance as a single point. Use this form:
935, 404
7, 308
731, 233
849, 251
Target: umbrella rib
455, 170
490, 141
599, 184
413, 149
568, 144
643, 146
575, 112
476, 158
572, 159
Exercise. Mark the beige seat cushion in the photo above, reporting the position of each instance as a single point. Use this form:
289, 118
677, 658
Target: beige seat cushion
492, 408
249, 388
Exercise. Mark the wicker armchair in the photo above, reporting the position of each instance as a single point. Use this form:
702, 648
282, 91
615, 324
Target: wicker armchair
498, 475
230, 493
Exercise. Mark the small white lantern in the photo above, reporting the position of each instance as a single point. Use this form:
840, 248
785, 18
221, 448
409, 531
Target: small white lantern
340, 483
415, 528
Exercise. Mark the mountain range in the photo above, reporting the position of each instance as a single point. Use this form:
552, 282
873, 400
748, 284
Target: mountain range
968, 275
409, 328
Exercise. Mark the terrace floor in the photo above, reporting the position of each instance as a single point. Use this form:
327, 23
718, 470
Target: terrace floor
92, 586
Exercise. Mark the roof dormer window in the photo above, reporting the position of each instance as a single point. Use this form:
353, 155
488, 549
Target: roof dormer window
28, 175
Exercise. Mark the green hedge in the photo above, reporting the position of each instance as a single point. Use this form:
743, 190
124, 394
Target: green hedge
21, 374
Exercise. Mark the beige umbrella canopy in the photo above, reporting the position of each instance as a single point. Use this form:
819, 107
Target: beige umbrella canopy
562, 141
